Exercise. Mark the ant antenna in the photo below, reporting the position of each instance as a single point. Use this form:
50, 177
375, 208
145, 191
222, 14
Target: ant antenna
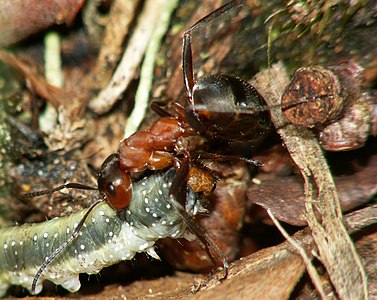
71, 185
216, 13
63, 246
75, 233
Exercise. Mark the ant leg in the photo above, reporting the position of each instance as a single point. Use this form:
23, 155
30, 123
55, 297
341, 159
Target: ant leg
187, 66
188, 73
156, 107
220, 157
216, 13
59, 250
177, 196
71, 185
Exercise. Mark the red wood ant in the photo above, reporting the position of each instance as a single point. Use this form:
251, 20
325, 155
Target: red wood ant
218, 106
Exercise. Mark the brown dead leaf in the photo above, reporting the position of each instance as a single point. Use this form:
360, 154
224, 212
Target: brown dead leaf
54, 95
285, 196
19, 19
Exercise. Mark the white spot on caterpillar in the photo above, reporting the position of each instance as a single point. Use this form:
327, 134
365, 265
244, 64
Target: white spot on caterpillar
175, 234
163, 222
107, 220
128, 212
156, 200
68, 230
147, 209
102, 213
164, 185
154, 225
21, 243
47, 244
160, 192
154, 215
111, 233
55, 235
168, 206
82, 247
15, 252
93, 219
35, 238
144, 192
146, 200
143, 246
45, 235
75, 225
13, 243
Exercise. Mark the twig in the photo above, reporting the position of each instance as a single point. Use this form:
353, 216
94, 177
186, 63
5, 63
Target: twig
54, 76
120, 18
307, 261
146, 73
131, 59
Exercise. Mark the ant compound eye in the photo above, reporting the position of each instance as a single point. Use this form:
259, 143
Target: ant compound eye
111, 189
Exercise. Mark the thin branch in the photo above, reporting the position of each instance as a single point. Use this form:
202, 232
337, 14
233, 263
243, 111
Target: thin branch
129, 64
54, 76
307, 261
146, 73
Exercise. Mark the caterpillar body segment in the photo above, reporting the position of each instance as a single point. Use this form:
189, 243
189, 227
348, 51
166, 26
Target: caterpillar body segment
106, 237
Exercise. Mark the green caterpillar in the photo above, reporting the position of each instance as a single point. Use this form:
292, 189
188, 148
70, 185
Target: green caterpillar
106, 237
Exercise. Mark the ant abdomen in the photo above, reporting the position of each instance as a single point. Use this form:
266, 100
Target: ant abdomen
227, 106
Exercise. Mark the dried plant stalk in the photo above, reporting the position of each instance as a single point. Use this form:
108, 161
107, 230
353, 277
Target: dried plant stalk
131, 58
308, 264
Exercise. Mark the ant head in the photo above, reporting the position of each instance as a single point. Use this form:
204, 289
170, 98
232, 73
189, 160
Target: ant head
227, 106
115, 183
